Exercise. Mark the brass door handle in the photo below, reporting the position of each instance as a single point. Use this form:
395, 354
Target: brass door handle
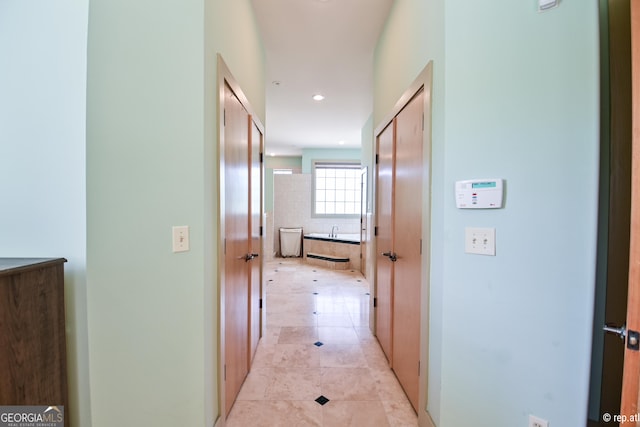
249, 257
391, 255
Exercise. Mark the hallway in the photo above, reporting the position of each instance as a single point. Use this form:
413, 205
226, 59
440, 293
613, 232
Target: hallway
318, 343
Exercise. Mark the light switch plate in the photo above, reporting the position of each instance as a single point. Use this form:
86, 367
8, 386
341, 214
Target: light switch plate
180, 239
480, 241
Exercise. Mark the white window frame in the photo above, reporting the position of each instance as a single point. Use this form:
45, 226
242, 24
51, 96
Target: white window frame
342, 198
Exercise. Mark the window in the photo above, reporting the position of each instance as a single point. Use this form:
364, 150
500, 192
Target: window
336, 188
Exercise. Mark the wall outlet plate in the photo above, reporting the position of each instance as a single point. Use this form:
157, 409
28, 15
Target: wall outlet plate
480, 241
537, 422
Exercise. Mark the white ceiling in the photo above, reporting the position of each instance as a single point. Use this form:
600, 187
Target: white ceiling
318, 46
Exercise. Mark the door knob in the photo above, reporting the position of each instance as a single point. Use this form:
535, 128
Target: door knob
392, 255
621, 332
632, 337
249, 257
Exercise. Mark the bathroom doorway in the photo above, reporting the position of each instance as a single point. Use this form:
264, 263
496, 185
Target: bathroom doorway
294, 200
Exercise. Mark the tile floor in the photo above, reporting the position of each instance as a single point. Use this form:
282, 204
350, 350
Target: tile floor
318, 344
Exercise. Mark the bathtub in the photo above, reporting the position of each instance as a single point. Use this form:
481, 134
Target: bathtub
341, 252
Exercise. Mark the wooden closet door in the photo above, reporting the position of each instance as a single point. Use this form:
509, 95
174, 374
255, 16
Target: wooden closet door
384, 239
236, 283
408, 246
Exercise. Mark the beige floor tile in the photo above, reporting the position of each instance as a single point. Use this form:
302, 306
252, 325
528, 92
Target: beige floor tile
360, 319
400, 414
331, 305
255, 385
294, 384
342, 356
338, 335
304, 286
339, 319
374, 355
349, 384
264, 356
296, 356
388, 386
271, 335
275, 414
365, 335
291, 303
298, 335
281, 319
354, 414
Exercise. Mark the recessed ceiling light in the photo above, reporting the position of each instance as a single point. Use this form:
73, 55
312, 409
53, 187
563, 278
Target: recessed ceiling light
276, 82
341, 142
318, 97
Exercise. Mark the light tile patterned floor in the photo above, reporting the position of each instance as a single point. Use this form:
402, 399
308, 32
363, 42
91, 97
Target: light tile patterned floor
317, 344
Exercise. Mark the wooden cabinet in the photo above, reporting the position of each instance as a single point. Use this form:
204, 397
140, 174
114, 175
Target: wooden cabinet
32, 332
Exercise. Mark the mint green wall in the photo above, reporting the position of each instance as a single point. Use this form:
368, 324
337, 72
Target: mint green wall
283, 162
42, 158
151, 148
515, 97
311, 154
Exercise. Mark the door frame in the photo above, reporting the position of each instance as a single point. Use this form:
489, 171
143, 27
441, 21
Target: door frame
225, 77
612, 267
631, 373
424, 80
256, 243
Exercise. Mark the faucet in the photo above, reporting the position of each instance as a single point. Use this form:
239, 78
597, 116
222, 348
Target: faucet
333, 233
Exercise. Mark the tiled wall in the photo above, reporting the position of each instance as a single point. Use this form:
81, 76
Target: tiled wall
269, 248
292, 208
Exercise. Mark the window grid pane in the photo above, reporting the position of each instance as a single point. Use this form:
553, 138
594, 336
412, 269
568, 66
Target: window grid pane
337, 189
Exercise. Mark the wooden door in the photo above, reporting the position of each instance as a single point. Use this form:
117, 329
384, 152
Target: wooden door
255, 245
631, 376
399, 243
384, 239
407, 243
236, 282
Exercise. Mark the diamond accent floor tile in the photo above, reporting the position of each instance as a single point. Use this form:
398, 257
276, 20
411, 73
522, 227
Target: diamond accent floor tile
322, 400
